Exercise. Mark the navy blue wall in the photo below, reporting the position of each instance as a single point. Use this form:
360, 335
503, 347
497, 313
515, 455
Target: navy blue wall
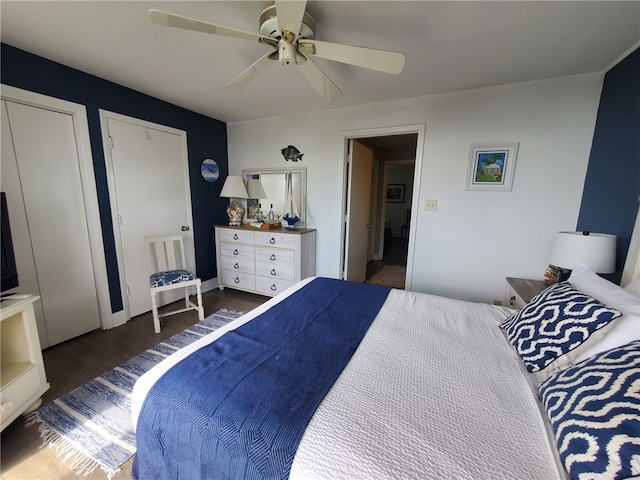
206, 138
612, 186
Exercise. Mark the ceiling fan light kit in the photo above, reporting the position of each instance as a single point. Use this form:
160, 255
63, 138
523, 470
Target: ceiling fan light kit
291, 31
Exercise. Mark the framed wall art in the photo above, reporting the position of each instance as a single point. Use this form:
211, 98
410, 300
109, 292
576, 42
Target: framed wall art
395, 193
491, 166
209, 170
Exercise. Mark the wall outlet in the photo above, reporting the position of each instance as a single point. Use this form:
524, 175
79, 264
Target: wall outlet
430, 205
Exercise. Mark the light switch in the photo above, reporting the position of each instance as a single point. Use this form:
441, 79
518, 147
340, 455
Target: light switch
431, 205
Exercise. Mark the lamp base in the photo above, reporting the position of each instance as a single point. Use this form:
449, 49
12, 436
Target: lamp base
235, 213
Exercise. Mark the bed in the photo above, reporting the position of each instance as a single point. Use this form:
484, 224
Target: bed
422, 387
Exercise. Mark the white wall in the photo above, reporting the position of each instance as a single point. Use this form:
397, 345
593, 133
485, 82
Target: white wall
476, 238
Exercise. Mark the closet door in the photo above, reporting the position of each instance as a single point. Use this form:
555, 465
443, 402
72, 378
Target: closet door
150, 194
46, 161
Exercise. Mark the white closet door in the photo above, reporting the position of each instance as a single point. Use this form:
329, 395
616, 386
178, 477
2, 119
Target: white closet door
10, 184
49, 173
150, 186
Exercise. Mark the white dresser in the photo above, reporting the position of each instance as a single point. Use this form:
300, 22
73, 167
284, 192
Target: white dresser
264, 261
22, 372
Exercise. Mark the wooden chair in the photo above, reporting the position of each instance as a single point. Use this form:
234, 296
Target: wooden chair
167, 270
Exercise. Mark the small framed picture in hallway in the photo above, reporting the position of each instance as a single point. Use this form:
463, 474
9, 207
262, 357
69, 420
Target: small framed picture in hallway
395, 193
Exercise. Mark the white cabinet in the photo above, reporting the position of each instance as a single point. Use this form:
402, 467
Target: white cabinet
520, 291
264, 261
22, 375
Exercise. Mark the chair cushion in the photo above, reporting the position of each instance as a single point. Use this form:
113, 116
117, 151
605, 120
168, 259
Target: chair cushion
170, 277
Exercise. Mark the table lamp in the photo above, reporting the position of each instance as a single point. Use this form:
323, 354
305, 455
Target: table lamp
597, 250
233, 188
255, 190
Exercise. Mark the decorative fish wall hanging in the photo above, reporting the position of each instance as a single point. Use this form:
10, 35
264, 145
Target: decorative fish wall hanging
291, 153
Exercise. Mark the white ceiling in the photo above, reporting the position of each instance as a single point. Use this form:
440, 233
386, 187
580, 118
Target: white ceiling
449, 46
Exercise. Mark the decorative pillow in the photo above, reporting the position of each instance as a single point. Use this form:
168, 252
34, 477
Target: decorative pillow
170, 277
594, 409
554, 324
624, 329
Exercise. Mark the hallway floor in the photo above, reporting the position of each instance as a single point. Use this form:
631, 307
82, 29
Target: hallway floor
395, 253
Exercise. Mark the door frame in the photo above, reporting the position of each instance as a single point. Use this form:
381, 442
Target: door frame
124, 315
346, 136
78, 115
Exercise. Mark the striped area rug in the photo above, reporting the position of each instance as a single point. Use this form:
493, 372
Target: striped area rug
91, 426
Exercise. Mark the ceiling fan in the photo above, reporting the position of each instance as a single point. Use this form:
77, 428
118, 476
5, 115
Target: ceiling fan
290, 31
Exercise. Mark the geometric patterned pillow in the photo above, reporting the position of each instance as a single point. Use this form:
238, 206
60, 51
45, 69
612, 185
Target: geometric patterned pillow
170, 277
594, 408
554, 323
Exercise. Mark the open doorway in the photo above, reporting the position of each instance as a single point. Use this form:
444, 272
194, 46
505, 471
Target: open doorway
390, 207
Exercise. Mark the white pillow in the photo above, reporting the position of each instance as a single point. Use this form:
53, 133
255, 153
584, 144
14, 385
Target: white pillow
625, 328
633, 287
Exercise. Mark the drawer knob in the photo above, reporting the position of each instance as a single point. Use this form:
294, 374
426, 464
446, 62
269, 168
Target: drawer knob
272, 241
273, 271
512, 301
237, 280
7, 406
236, 266
235, 252
272, 257
273, 287
235, 236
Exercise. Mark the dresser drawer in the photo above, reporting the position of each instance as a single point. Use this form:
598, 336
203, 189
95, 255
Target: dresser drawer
520, 291
236, 236
230, 250
239, 264
271, 286
282, 272
281, 240
275, 256
239, 279
263, 261
20, 391
512, 299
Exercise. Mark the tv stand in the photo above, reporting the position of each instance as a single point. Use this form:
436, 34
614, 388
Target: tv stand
22, 375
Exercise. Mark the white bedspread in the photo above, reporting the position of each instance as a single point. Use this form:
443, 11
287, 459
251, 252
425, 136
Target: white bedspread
433, 391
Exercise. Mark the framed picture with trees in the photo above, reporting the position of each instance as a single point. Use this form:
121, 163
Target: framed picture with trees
491, 166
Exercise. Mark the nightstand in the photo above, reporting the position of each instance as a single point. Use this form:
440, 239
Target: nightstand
520, 291
21, 365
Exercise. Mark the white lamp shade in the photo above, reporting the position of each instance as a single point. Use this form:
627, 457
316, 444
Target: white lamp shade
598, 250
255, 189
233, 188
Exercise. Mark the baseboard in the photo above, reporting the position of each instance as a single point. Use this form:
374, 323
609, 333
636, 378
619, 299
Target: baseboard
118, 318
209, 285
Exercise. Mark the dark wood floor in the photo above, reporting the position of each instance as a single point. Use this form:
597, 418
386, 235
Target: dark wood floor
395, 253
75, 362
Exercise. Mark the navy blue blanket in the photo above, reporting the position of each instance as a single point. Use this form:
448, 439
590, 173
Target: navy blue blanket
237, 409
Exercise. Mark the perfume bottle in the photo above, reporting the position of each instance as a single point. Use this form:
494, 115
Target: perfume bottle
271, 216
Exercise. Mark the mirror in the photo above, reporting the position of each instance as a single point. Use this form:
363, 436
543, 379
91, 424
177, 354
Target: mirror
274, 182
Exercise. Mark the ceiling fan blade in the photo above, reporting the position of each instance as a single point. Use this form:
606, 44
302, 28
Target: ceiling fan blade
252, 71
318, 80
290, 13
166, 19
374, 59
